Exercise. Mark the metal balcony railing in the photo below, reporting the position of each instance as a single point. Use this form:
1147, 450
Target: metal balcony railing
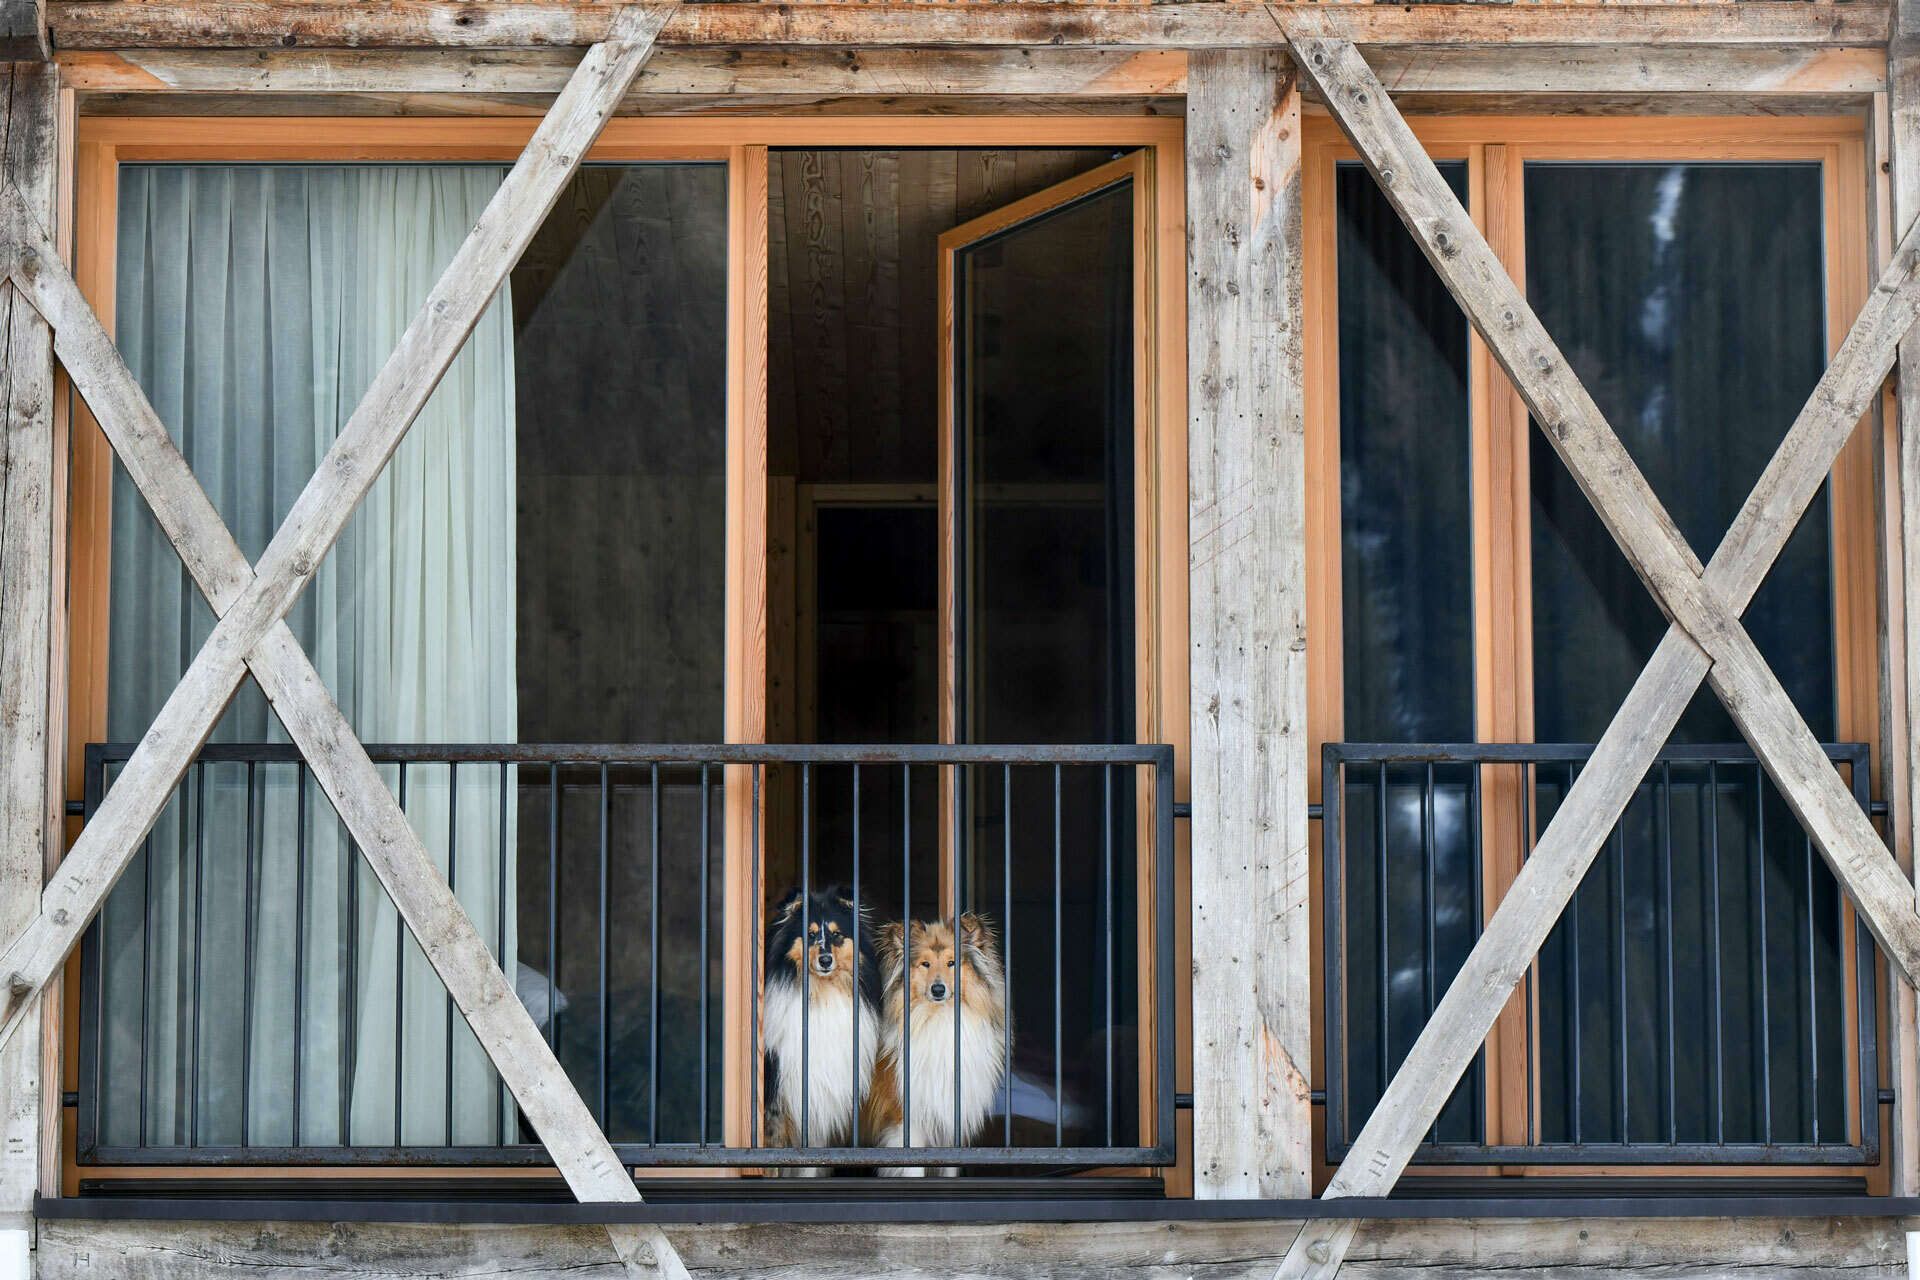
1707, 997
249, 997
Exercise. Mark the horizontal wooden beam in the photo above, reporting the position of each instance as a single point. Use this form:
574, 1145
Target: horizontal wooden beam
716, 75
258, 24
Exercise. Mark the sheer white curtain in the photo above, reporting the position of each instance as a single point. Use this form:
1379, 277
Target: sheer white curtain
281, 998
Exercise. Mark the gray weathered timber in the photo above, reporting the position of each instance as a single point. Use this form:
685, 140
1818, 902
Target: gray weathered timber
1770, 75
323, 508
23, 31
1537, 897
28, 93
206, 24
1594, 1249
1252, 967
1902, 525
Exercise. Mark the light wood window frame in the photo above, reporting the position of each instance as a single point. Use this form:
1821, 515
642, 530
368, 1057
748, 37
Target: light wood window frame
742, 143
1496, 150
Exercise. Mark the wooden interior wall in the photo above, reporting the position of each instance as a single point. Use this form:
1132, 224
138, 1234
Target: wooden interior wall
851, 388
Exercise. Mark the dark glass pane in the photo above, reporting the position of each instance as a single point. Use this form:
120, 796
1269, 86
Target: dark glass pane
1412, 902
1045, 459
1696, 978
619, 309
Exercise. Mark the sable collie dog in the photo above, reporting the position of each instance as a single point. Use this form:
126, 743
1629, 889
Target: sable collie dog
929, 983
811, 983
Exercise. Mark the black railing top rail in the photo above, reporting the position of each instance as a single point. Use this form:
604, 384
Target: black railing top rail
1155, 754
1563, 752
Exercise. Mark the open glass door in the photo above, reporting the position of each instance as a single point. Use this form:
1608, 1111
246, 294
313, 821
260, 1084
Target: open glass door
1042, 450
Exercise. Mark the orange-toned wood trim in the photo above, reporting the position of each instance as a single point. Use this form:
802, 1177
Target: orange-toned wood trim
746, 594
741, 142
1165, 712
1503, 621
684, 137
1503, 614
1325, 668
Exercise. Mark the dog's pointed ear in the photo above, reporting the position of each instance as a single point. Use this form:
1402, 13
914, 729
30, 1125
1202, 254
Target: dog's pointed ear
788, 905
891, 943
977, 931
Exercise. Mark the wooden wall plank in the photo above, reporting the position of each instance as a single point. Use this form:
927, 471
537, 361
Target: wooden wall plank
205, 24
1902, 126
1252, 966
28, 820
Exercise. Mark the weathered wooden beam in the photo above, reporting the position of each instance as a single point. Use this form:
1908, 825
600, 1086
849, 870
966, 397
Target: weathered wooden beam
1567, 848
206, 24
1902, 120
1252, 966
1538, 1248
1760, 72
323, 508
28, 466
23, 31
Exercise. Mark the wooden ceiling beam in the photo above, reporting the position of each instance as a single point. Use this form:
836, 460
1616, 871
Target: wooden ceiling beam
426, 24
719, 74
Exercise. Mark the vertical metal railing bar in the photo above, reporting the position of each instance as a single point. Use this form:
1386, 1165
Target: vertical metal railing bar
553, 902
858, 1098
199, 914
1380, 937
706, 960
755, 1126
604, 919
248, 883
1529, 778
960, 777
1006, 934
655, 982
500, 942
1715, 1081
447, 1013
146, 978
1617, 924
1477, 888
1669, 1097
806, 951
1106, 879
1758, 870
1577, 1121
1810, 1080
1431, 939
299, 936
350, 994
906, 955
1059, 1093
399, 994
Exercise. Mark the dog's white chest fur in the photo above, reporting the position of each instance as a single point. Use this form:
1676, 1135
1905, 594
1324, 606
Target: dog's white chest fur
932, 1087
834, 1086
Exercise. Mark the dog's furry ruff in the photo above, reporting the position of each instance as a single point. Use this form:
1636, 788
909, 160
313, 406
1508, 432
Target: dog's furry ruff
982, 1011
832, 1001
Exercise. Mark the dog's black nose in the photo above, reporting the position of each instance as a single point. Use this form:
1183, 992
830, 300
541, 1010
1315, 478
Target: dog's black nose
938, 991
826, 961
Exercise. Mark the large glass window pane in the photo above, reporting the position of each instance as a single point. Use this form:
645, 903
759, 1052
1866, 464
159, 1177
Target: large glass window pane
1690, 298
1044, 452
1406, 562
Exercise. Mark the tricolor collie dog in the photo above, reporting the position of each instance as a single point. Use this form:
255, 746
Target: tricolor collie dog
929, 983
813, 993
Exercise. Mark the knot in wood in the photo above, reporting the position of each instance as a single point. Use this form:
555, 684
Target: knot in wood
1318, 1251
19, 984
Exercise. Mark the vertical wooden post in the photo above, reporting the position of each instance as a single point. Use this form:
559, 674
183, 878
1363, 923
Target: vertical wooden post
1903, 522
28, 162
1252, 994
